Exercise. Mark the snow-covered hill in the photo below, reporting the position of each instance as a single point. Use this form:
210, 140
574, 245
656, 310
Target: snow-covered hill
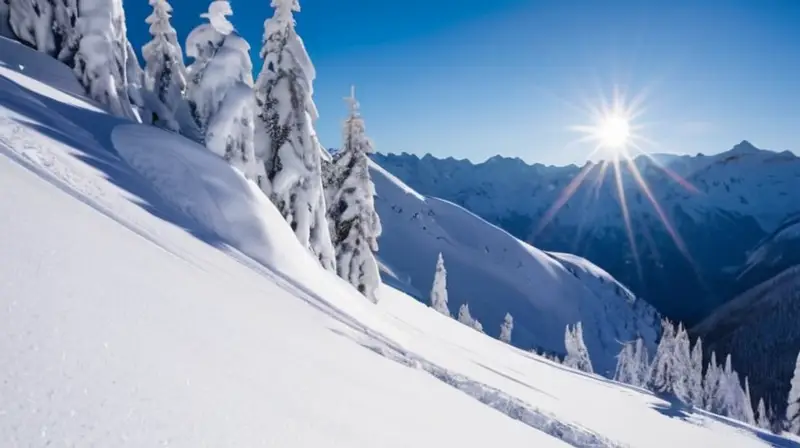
149, 296
729, 202
496, 273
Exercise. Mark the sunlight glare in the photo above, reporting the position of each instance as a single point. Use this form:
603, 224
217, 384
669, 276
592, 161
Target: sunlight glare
614, 131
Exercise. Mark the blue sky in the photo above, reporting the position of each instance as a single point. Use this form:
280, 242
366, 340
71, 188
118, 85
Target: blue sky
471, 79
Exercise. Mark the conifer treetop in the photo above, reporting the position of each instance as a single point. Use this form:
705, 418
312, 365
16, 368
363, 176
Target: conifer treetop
218, 12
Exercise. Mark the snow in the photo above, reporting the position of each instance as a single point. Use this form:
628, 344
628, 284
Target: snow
151, 296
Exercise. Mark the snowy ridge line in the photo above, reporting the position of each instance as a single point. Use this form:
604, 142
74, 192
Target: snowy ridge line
496, 399
745, 299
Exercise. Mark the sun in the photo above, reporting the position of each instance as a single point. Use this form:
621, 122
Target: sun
613, 132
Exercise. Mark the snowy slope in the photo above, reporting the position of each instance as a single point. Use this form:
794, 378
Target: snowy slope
148, 297
496, 273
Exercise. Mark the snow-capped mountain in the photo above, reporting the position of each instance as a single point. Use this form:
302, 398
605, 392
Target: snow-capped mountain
151, 296
718, 208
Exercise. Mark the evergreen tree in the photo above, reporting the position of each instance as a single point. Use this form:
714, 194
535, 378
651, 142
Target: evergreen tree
32, 23
660, 377
747, 406
65, 33
695, 382
679, 370
793, 402
221, 94
439, 289
585, 363
625, 360
290, 171
577, 353
48, 26
711, 386
101, 59
165, 72
355, 225
640, 365
466, 318
463, 314
762, 418
136, 90
506, 328
732, 398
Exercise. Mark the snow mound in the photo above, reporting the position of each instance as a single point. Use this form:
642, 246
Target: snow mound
197, 182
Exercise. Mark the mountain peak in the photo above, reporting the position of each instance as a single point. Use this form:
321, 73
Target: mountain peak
744, 147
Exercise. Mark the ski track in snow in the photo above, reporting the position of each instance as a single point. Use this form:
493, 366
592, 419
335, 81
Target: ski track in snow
497, 399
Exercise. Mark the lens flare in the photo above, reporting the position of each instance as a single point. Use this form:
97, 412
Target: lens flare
618, 140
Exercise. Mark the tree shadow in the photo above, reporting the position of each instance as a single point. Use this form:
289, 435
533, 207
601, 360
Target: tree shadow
674, 409
88, 134
681, 411
768, 437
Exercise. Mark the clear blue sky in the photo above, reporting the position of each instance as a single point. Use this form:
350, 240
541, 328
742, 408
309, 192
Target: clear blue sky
471, 78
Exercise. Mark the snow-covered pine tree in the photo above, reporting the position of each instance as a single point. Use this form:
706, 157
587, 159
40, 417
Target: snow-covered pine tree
577, 353
439, 289
761, 418
625, 361
65, 32
660, 378
640, 365
695, 382
355, 225
506, 328
747, 406
136, 90
585, 360
165, 73
466, 318
463, 314
477, 325
101, 59
732, 397
202, 44
792, 422
319, 236
286, 143
48, 26
32, 23
221, 94
330, 180
711, 386
680, 372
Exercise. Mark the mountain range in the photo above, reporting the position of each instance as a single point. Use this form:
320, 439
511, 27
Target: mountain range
693, 220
